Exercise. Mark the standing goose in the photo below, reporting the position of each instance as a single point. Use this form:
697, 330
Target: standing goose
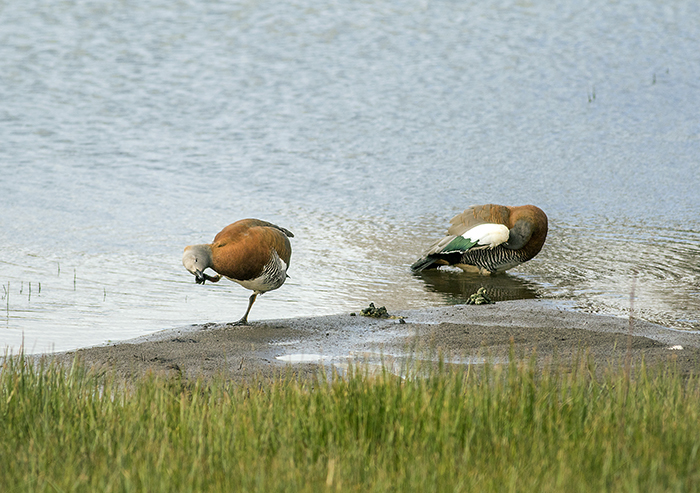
488, 239
253, 253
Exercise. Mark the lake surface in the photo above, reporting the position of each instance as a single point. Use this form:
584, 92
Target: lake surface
131, 129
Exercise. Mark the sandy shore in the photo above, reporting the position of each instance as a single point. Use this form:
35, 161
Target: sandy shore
464, 334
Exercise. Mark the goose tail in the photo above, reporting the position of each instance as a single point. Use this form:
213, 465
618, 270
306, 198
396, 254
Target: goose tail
423, 263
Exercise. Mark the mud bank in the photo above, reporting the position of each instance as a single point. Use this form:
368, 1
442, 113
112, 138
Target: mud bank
462, 334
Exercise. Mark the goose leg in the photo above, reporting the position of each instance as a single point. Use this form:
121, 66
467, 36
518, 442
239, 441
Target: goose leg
244, 320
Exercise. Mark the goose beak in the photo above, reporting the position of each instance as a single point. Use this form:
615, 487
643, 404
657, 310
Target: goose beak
200, 277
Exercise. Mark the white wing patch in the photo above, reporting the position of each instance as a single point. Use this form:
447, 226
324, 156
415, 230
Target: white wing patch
488, 235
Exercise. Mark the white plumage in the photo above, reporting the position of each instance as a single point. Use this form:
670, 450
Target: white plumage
487, 235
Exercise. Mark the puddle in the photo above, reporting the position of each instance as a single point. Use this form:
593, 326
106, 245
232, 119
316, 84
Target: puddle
402, 365
375, 364
303, 358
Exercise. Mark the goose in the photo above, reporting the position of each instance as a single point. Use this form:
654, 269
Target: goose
488, 239
251, 252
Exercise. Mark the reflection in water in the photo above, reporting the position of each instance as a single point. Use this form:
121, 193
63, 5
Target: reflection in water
459, 285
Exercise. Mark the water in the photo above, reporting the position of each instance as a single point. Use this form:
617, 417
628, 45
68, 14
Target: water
131, 129
372, 363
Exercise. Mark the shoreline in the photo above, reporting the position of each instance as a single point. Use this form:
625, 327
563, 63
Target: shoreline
461, 334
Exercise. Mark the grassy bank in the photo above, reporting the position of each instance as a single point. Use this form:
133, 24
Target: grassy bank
509, 428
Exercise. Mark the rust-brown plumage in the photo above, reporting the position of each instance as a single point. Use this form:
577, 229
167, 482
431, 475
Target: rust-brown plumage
241, 250
251, 252
527, 231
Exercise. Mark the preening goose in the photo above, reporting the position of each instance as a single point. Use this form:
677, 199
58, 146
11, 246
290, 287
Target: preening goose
251, 252
488, 239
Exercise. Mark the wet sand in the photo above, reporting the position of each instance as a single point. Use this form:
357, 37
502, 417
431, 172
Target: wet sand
462, 334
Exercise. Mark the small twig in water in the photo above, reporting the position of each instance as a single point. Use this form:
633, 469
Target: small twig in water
591, 95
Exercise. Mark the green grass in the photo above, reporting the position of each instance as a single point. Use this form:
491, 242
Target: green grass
502, 428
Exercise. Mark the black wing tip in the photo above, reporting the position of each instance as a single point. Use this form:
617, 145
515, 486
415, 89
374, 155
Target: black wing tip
285, 231
422, 264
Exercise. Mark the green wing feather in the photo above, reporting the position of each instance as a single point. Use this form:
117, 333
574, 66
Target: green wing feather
459, 244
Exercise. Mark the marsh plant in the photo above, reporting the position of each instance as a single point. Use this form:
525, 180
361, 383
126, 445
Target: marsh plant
510, 427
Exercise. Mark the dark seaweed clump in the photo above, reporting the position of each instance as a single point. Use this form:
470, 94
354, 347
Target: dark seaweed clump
373, 311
